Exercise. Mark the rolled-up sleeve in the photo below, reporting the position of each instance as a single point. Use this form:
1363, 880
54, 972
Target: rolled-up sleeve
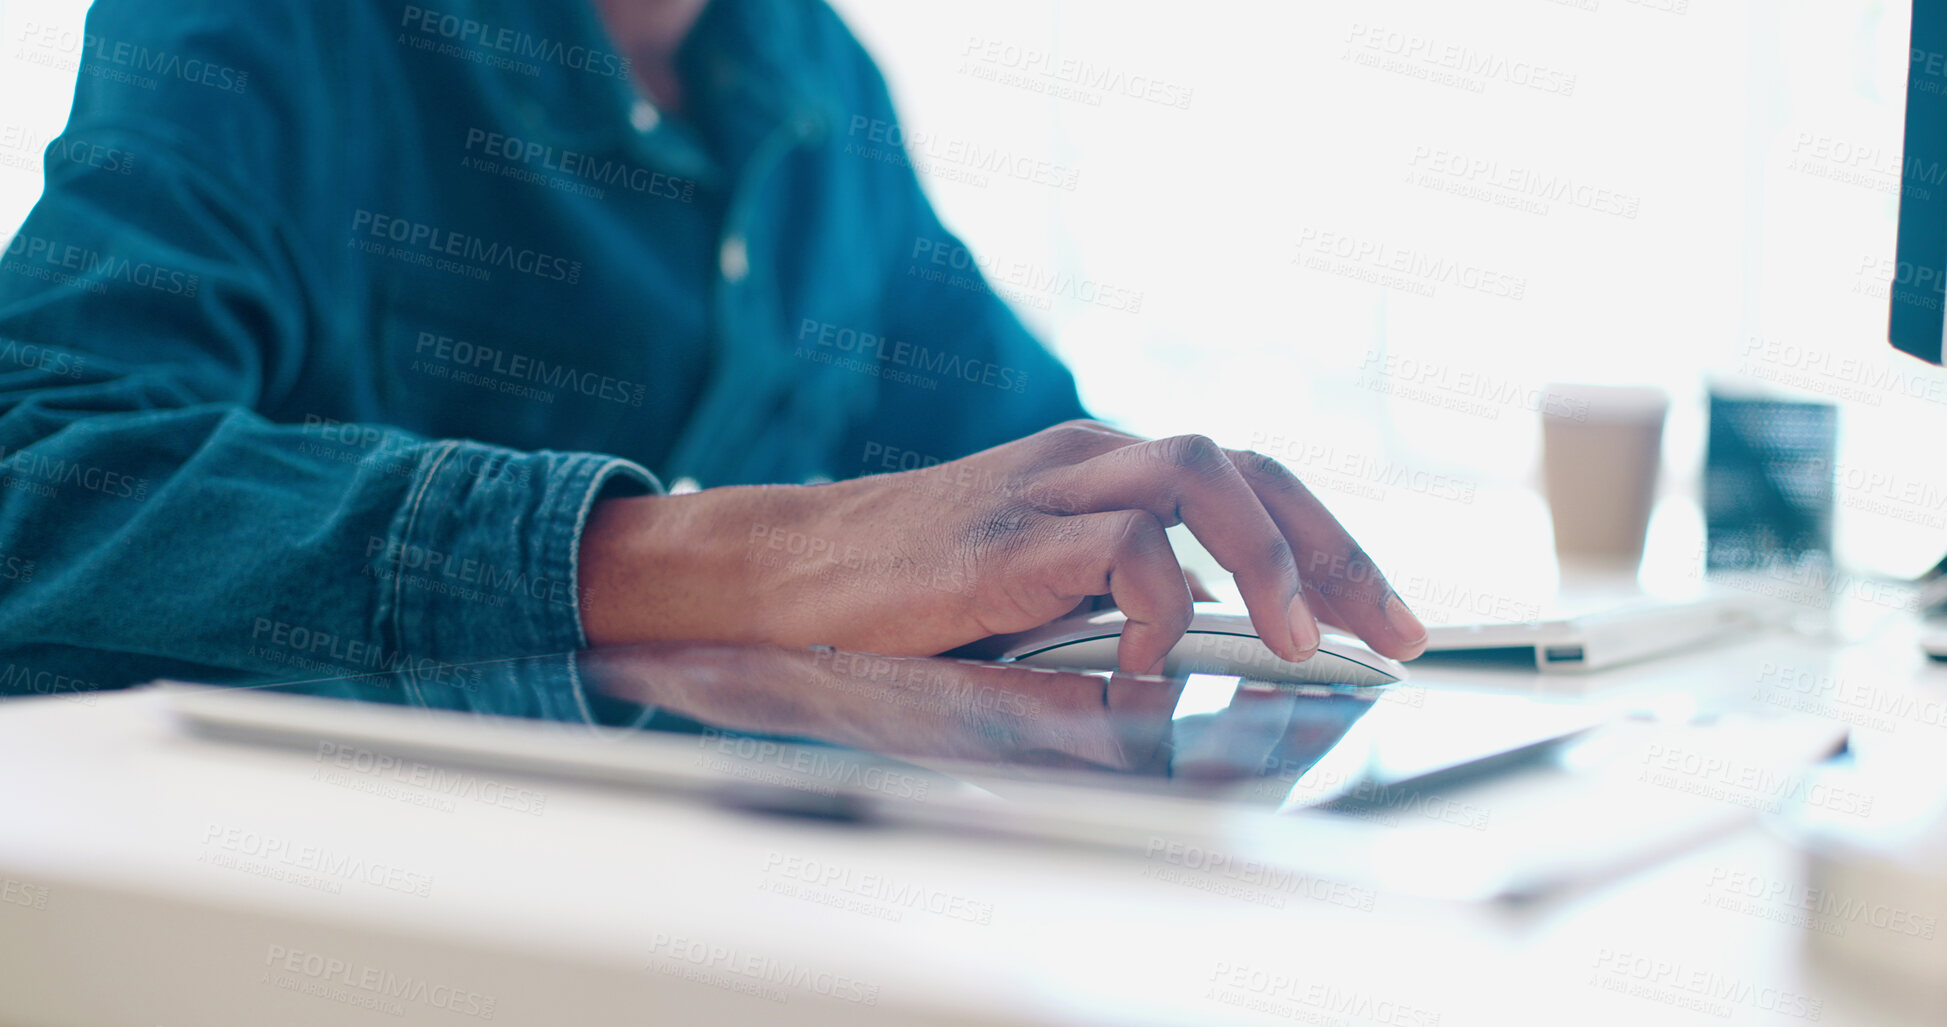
481, 556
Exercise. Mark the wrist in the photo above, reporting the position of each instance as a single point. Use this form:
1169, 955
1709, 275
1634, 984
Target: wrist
679, 567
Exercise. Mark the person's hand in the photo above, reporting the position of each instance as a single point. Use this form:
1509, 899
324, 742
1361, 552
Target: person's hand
927, 711
1005, 540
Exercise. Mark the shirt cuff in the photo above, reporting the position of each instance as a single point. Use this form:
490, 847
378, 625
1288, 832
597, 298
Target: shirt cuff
480, 560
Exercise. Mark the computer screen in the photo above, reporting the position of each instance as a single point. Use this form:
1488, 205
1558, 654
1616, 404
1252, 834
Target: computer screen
1919, 288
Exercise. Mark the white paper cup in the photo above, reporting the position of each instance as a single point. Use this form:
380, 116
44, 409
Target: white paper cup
1600, 449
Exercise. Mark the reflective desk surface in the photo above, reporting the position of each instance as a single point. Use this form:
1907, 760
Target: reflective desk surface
758, 835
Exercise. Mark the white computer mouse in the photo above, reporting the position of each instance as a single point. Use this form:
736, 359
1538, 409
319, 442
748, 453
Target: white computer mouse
1933, 642
1217, 643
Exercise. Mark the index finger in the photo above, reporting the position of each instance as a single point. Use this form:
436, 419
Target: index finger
1190, 479
1331, 563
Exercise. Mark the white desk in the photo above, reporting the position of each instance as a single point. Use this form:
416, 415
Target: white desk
129, 857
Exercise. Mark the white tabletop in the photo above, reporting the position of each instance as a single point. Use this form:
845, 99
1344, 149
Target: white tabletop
150, 877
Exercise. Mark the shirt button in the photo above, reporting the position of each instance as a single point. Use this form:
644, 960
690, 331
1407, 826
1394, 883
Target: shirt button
644, 116
734, 259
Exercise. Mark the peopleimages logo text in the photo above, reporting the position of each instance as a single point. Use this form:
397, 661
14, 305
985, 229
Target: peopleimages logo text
115, 53
1084, 74
513, 42
598, 170
392, 990
42, 358
38, 467
432, 239
521, 367
90, 267
905, 354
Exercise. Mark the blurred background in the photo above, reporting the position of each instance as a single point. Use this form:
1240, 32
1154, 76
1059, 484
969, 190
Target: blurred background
1363, 236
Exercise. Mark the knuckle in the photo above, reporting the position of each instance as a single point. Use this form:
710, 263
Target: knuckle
1052, 499
1279, 555
1259, 467
1071, 441
1136, 533
1065, 532
1079, 424
1002, 530
1069, 432
1197, 454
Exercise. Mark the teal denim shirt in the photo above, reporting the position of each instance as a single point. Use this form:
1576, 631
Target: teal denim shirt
335, 319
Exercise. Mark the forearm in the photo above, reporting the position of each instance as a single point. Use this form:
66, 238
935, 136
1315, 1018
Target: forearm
921, 562
210, 538
692, 566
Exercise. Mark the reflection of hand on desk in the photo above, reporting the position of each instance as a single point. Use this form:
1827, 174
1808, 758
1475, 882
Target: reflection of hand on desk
595, 905
911, 708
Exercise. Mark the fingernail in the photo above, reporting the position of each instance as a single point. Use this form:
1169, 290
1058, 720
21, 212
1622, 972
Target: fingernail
1401, 622
1304, 629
